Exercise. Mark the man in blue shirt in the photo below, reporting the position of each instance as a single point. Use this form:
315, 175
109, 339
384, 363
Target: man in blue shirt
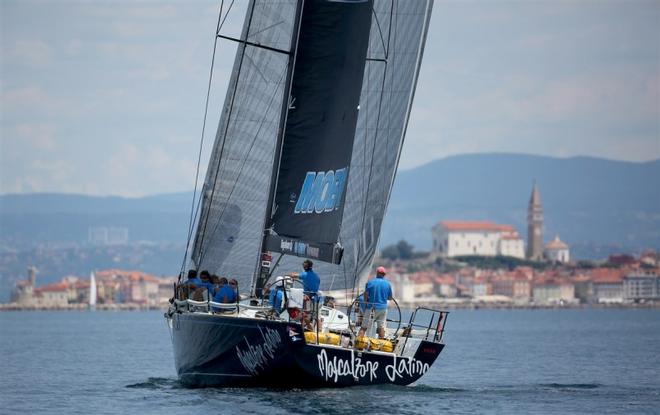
225, 293
311, 283
376, 294
310, 279
192, 278
201, 287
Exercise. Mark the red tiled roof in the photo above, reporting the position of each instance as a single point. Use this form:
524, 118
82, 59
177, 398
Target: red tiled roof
422, 277
57, 287
606, 275
476, 226
445, 280
130, 275
482, 279
546, 280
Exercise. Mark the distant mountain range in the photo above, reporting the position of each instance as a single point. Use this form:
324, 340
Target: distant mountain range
595, 205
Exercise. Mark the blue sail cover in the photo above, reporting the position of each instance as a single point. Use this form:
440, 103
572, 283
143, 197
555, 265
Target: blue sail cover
320, 128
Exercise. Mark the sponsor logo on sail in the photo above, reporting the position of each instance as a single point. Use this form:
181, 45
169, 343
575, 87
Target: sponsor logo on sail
321, 191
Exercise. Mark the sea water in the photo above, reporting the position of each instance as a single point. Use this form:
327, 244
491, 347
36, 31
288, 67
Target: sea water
495, 361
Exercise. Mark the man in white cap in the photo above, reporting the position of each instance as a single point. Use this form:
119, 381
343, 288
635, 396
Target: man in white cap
376, 294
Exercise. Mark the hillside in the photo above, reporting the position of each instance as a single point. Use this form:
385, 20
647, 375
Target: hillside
590, 202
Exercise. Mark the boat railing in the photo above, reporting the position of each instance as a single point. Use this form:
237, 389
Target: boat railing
206, 306
433, 331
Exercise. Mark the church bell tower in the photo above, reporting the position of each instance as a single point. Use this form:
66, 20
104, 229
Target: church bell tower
535, 226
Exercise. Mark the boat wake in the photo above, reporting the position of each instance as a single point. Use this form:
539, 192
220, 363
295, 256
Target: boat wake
156, 383
429, 388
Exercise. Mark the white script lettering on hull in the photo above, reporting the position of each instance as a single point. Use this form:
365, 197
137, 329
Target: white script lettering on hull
357, 368
405, 366
332, 369
254, 358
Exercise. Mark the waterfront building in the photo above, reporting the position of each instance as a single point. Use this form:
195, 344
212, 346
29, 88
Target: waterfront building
476, 238
165, 289
423, 283
79, 291
23, 292
445, 286
481, 287
535, 226
401, 286
607, 285
583, 288
522, 289
143, 289
52, 295
553, 291
503, 285
557, 251
641, 286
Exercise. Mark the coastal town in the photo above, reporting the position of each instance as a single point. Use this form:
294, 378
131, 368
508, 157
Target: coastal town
472, 264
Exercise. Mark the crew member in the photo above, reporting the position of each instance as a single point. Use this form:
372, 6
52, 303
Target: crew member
310, 279
189, 286
225, 293
376, 294
203, 285
276, 296
311, 283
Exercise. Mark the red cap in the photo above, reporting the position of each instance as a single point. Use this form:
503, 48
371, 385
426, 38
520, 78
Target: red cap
381, 270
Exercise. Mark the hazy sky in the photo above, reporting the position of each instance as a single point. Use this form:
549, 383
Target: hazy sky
107, 97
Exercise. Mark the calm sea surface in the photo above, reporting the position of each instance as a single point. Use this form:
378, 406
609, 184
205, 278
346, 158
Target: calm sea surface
559, 361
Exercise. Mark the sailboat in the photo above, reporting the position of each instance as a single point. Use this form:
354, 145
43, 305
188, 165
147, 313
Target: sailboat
302, 167
92, 291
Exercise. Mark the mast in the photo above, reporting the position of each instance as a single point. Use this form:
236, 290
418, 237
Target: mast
264, 259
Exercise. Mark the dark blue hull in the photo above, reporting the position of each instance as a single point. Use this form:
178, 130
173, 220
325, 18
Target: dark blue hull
213, 350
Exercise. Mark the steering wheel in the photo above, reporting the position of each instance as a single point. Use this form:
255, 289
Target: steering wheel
355, 304
396, 320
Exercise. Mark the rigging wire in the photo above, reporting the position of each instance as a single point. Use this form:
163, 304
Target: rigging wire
194, 210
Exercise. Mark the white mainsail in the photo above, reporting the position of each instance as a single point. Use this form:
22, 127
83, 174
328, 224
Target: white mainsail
92, 290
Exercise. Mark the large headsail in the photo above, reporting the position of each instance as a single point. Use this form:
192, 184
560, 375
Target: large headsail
235, 192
